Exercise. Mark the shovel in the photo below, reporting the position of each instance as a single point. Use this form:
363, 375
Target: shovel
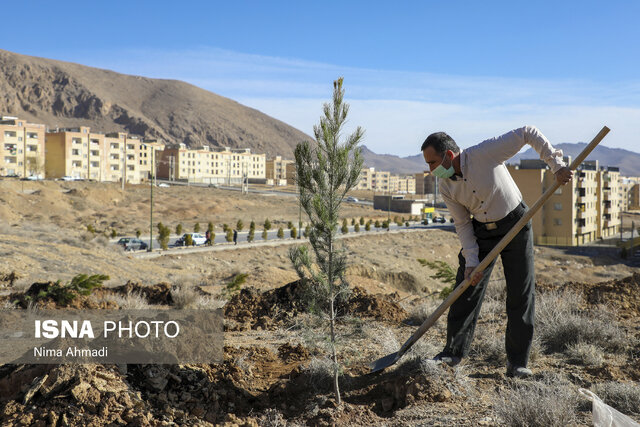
389, 360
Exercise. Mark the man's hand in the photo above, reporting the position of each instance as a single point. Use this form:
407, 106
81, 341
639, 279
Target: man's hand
563, 175
475, 279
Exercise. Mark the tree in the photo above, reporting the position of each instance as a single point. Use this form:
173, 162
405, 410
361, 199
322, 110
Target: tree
138, 233
239, 225
280, 233
188, 240
356, 227
251, 235
265, 234
353, 221
267, 224
294, 232
196, 228
225, 227
326, 171
210, 227
289, 225
179, 229
229, 235
345, 227
252, 226
163, 236
367, 226
307, 231
376, 224
361, 221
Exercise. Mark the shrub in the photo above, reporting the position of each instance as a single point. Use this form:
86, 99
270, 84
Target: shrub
81, 284
196, 227
229, 235
130, 301
252, 226
239, 225
114, 233
376, 224
356, 227
280, 233
210, 228
179, 229
289, 225
353, 221
367, 227
585, 354
252, 234
138, 233
345, 227
91, 229
385, 224
538, 403
625, 397
444, 273
267, 224
236, 282
294, 233
188, 240
361, 221
406, 224
265, 234
163, 236
225, 227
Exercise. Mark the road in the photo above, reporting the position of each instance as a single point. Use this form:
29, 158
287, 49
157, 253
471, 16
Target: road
272, 237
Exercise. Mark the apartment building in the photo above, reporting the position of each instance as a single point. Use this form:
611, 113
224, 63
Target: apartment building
224, 166
22, 147
586, 209
280, 171
425, 183
634, 196
366, 179
82, 154
150, 152
405, 184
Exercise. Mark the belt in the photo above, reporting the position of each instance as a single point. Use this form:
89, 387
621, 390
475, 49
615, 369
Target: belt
516, 213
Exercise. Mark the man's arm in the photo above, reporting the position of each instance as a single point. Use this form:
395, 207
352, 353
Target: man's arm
502, 148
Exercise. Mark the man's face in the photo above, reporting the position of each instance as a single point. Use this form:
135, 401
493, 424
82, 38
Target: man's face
434, 159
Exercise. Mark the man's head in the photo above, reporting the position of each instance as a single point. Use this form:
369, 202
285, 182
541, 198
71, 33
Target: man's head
439, 149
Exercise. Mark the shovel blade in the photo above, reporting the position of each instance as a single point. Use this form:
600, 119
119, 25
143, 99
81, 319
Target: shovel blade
384, 362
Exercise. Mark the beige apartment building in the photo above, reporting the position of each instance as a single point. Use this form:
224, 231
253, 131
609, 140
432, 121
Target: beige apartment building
22, 148
280, 171
586, 209
204, 165
82, 154
404, 184
384, 181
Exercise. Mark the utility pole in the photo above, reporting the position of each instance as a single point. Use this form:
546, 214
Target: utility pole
151, 200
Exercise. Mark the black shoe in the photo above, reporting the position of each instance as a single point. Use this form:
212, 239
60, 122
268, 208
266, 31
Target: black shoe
447, 359
515, 371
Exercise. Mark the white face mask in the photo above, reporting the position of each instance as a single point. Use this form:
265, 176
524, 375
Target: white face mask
442, 172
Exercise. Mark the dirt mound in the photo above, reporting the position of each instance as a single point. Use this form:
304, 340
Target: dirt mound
251, 309
622, 295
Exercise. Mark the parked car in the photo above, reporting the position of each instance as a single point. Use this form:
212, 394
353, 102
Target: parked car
163, 185
198, 239
132, 244
67, 178
439, 220
352, 199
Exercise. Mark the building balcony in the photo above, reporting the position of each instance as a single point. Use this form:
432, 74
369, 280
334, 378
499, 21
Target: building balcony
606, 195
582, 183
581, 213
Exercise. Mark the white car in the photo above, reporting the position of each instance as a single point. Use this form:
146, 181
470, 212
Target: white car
67, 178
198, 239
163, 185
352, 199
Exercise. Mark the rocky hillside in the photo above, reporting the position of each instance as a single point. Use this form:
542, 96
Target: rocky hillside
62, 94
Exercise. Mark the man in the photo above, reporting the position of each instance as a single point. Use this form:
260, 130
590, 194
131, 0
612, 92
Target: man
485, 204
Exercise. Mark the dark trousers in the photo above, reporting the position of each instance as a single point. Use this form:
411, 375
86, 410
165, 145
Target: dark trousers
517, 260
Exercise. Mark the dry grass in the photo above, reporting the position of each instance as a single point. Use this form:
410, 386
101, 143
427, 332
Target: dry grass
545, 403
585, 354
625, 397
130, 301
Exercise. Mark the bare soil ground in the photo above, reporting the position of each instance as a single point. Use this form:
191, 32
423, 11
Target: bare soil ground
275, 370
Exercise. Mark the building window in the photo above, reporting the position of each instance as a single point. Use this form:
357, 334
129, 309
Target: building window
557, 221
557, 206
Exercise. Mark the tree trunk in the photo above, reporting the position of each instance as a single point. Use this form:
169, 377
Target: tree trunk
336, 385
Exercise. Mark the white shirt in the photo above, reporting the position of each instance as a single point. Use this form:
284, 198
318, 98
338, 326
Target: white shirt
486, 190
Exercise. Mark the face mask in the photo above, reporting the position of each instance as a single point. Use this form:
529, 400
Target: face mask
441, 172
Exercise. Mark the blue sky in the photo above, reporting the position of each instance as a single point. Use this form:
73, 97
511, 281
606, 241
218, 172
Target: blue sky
473, 69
